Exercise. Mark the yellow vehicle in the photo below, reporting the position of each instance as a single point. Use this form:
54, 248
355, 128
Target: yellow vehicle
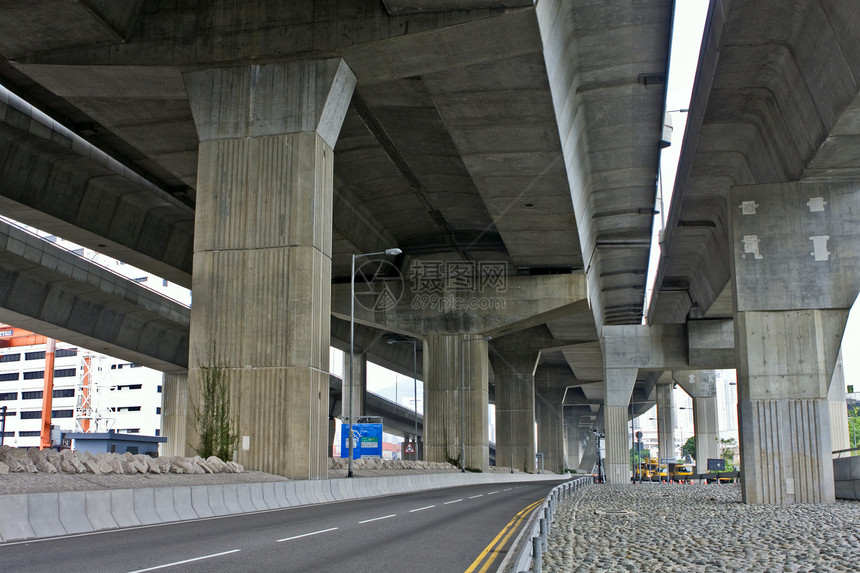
652, 470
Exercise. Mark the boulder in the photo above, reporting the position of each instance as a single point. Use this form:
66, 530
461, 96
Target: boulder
92, 466
46, 467
216, 464
13, 464
152, 465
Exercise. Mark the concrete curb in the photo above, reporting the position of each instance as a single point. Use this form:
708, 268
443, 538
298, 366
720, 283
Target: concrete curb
41, 515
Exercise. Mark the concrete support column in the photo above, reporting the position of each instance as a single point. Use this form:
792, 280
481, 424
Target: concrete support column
839, 435
796, 273
665, 421
573, 440
589, 452
359, 385
550, 384
262, 251
174, 413
457, 400
515, 418
619, 388
701, 386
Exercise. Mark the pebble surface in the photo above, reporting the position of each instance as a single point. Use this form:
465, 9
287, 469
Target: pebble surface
698, 528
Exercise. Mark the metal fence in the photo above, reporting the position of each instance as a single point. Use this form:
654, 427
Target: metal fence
529, 555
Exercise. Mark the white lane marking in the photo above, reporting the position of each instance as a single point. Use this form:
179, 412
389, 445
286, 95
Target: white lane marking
508, 489
421, 508
492, 492
453, 501
378, 518
306, 534
474, 496
186, 561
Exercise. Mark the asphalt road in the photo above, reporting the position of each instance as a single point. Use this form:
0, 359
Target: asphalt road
433, 531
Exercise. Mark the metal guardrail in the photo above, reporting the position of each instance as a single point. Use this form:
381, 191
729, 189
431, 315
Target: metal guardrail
530, 553
838, 453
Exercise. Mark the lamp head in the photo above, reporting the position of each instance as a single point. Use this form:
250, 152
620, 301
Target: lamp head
393, 252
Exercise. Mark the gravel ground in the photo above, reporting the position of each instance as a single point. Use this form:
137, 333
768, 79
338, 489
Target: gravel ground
699, 528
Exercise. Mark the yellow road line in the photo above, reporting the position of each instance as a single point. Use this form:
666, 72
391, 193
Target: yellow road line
500, 540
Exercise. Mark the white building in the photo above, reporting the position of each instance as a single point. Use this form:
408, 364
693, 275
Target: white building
125, 397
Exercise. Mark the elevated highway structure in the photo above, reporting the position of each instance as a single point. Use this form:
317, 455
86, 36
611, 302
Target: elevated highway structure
509, 148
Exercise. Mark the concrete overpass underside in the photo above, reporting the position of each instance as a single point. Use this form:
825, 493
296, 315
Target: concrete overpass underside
508, 148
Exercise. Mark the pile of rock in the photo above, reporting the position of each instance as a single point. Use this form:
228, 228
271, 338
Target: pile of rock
77, 462
381, 464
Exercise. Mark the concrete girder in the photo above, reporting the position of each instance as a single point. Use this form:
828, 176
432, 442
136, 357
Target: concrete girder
55, 181
773, 103
56, 293
525, 301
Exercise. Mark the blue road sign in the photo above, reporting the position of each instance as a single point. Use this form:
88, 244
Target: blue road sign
367, 440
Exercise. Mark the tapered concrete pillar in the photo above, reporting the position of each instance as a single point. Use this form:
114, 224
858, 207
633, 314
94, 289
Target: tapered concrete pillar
619, 384
589, 452
573, 439
515, 417
701, 386
796, 258
550, 384
665, 422
839, 437
262, 251
359, 384
174, 413
457, 400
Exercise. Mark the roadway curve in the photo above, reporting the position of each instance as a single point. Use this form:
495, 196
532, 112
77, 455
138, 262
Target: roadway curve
432, 531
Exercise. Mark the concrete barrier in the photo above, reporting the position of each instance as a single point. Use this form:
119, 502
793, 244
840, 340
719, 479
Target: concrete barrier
846, 477
144, 506
215, 495
53, 514
165, 504
73, 511
122, 507
99, 510
44, 513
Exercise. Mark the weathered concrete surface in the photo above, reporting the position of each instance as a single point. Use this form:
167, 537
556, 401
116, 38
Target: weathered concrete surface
457, 401
701, 386
263, 252
56, 181
665, 419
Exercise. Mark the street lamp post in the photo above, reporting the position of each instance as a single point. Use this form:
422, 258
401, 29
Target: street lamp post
463, 398
414, 383
390, 252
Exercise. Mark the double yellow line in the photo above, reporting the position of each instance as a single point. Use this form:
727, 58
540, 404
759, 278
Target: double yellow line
494, 550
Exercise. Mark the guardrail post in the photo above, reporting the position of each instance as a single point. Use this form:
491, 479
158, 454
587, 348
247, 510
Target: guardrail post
537, 555
543, 533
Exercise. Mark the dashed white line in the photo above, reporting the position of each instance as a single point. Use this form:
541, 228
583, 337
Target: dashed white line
306, 534
421, 508
492, 492
378, 518
508, 489
453, 501
474, 496
186, 561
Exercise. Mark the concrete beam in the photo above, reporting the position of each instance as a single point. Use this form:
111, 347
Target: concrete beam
54, 180
512, 303
711, 344
56, 293
657, 347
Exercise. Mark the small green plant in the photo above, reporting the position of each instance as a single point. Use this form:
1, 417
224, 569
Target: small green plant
217, 428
